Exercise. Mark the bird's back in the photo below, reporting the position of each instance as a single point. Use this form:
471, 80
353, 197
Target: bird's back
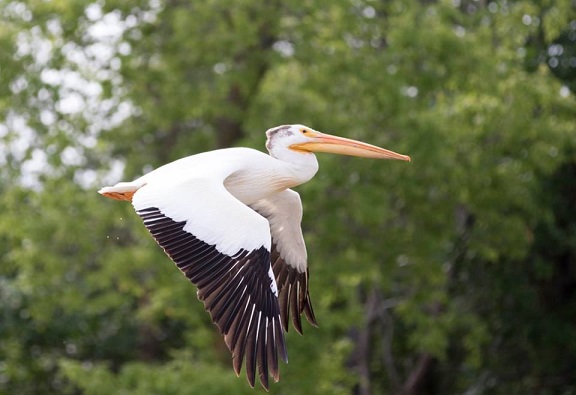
248, 174
216, 165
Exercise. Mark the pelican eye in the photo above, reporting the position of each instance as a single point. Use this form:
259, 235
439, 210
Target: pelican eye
305, 131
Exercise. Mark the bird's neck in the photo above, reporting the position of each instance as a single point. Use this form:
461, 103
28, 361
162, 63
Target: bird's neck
253, 183
301, 171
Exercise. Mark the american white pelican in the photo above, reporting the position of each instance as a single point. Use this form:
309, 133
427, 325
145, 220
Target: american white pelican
231, 223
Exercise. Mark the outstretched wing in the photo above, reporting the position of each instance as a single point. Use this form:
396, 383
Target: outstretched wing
289, 259
223, 247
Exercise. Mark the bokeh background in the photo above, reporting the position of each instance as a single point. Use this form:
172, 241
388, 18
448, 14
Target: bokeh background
452, 274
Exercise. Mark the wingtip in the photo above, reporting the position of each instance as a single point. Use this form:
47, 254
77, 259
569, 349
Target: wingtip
251, 380
309, 312
297, 325
237, 364
264, 381
284, 356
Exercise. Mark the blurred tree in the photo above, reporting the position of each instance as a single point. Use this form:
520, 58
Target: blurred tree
454, 274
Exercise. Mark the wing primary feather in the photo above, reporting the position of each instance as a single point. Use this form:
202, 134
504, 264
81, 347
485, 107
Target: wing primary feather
217, 300
238, 339
173, 238
280, 342
250, 349
262, 354
294, 309
194, 250
178, 245
284, 301
214, 270
161, 225
307, 303
309, 312
217, 280
212, 281
246, 318
163, 228
221, 302
200, 271
272, 352
228, 315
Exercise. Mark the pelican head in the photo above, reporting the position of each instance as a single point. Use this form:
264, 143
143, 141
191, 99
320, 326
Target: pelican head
304, 140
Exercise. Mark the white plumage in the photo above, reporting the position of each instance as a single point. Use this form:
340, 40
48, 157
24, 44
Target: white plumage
229, 221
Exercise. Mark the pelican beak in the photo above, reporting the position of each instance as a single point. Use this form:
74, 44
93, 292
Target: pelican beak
322, 142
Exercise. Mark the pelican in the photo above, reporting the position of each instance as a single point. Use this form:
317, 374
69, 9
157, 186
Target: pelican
231, 223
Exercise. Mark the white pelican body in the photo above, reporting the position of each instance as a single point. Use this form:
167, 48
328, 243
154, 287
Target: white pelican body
249, 175
231, 223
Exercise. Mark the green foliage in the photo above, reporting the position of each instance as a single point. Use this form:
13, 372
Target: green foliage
146, 378
451, 274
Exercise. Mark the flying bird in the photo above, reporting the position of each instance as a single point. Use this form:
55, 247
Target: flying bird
231, 222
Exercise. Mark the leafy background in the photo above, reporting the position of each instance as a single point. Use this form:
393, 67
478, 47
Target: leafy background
454, 274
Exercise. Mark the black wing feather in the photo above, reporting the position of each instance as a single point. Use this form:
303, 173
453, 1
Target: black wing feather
293, 293
236, 291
